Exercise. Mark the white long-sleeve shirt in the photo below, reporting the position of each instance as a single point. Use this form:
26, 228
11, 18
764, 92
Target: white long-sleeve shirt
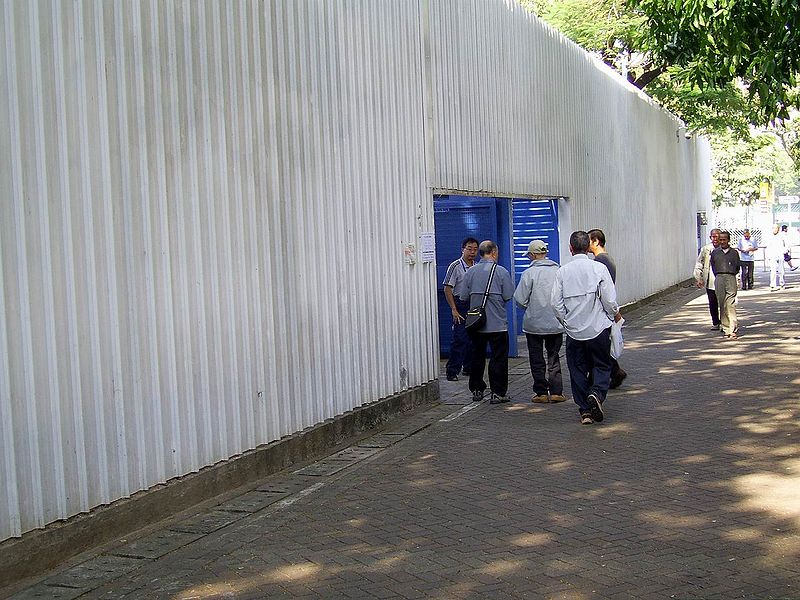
776, 246
584, 298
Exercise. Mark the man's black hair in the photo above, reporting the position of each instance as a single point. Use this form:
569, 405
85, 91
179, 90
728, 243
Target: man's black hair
469, 240
598, 236
579, 240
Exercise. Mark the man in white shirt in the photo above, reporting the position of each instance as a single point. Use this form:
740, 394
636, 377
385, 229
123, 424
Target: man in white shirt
773, 252
585, 302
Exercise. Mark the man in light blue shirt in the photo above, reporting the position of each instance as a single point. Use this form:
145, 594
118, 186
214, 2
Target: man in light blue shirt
747, 250
542, 330
585, 302
495, 331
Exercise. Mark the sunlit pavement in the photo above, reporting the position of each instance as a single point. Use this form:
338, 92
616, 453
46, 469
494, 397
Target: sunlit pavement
689, 489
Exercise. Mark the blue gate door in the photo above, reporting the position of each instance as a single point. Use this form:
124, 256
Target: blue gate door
533, 220
457, 217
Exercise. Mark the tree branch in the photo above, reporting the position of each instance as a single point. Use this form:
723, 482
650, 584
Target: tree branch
648, 77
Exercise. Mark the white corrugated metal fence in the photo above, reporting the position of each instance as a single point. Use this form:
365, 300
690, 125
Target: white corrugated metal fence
205, 204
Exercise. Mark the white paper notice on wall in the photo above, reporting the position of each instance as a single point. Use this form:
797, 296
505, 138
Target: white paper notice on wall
410, 254
427, 246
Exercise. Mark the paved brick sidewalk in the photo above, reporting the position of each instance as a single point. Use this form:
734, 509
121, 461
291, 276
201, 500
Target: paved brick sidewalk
689, 489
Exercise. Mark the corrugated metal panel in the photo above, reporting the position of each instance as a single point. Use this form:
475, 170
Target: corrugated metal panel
201, 235
519, 110
205, 205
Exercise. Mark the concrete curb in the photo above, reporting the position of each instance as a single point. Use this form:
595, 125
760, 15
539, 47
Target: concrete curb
42, 549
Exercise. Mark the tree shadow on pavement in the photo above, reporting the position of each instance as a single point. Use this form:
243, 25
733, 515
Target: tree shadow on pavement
689, 489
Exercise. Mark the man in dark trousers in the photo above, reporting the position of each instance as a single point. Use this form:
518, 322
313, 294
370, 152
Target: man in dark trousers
725, 265
585, 302
542, 330
495, 331
597, 246
461, 346
704, 277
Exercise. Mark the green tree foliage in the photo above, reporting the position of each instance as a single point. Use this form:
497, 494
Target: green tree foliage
606, 27
669, 49
718, 42
614, 31
740, 165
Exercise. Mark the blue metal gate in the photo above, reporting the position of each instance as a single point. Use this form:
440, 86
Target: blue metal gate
457, 217
533, 220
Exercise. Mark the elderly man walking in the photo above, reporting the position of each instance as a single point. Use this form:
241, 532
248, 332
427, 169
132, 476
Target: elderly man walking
585, 302
704, 277
487, 277
725, 263
542, 330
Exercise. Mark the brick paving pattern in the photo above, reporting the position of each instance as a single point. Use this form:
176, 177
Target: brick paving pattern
689, 489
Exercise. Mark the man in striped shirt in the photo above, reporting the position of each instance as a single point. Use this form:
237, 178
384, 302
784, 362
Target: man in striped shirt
461, 346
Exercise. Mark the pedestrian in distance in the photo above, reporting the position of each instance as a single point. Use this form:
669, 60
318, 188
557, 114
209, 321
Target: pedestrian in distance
542, 329
787, 255
774, 253
704, 277
747, 255
725, 264
494, 332
461, 346
597, 246
585, 302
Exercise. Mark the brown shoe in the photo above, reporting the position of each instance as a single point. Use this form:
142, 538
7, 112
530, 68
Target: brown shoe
557, 398
540, 399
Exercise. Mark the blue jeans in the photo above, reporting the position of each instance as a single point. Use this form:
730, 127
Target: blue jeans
585, 359
461, 346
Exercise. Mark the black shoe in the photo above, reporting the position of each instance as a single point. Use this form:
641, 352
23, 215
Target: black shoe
452, 378
499, 399
595, 409
715, 328
618, 379
477, 396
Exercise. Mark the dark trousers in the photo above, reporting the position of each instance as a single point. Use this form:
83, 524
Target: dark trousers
498, 363
461, 346
589, 364
747, 274
713, 306
546, 375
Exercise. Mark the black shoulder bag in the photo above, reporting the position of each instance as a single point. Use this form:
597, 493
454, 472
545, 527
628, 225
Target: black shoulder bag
476, 317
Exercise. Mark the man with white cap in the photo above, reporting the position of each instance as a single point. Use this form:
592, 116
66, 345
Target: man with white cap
540, 325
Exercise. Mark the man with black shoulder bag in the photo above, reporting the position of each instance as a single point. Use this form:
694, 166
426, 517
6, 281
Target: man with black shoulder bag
488, 286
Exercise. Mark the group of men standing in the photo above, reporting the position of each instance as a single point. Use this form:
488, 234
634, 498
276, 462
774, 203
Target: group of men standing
578, 299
